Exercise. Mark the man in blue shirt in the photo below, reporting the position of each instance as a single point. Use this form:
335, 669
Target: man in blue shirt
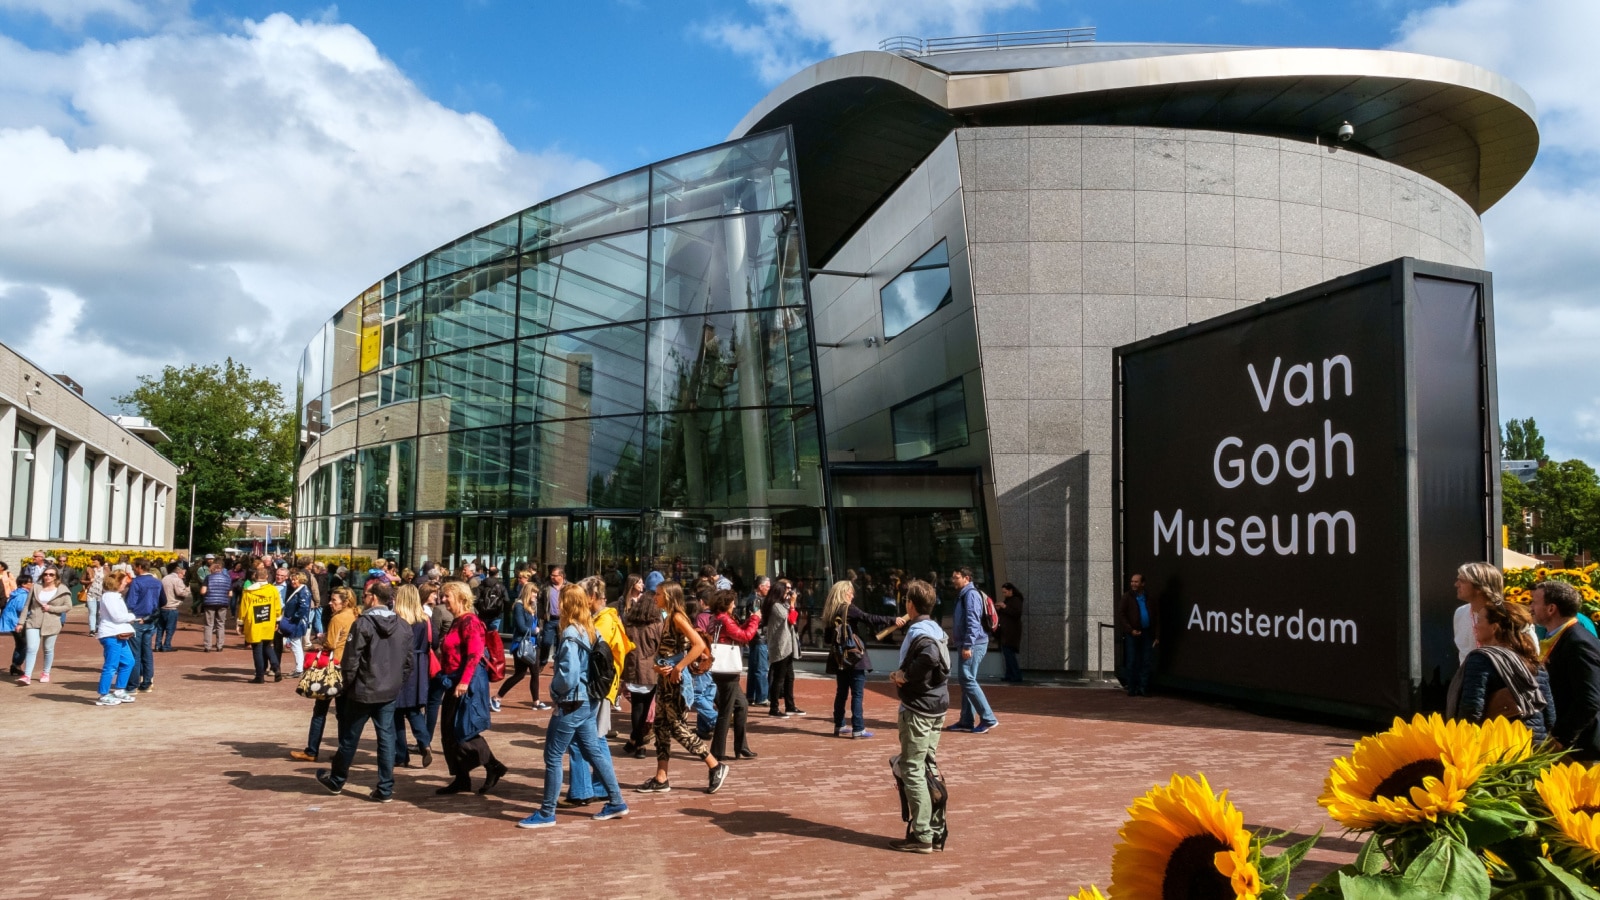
143, 596
1139, 620
972, 642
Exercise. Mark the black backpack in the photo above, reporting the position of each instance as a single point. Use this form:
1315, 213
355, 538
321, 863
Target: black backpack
493, 600
602, 669
847, 646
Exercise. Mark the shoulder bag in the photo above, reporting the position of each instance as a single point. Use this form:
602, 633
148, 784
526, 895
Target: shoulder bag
725, 658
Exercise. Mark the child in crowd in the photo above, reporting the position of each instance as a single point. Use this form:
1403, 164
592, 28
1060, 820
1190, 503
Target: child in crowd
11, 620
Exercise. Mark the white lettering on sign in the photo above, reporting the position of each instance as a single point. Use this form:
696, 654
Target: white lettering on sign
1299, 459
1297, 627
1173, 534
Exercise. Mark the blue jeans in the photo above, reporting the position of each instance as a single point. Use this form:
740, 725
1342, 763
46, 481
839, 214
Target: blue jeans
1137, 654
118, 664
166, 627
1013, 666
705, 704
756, 684
94, 614
319, 720
852, 683
586, 780
144, 661
33, 637
974, 705
351, 724
417, 718
576, 728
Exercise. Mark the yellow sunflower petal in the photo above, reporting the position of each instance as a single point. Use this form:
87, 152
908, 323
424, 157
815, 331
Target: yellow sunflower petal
1571, 792
1089, 893
1416, 771
1182, 826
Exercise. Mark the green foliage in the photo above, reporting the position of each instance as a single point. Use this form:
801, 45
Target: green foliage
1567, 496
1514, 498
233, 436
1520, 439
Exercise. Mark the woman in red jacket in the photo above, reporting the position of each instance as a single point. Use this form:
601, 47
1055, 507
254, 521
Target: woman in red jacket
732, 705
466, 695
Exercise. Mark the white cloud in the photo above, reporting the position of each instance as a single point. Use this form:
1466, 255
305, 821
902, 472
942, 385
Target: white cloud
140, 14
1543, 240
190, 194
791, 34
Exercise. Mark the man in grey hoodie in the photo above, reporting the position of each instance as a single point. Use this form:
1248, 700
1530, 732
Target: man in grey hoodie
377, 661
923, 683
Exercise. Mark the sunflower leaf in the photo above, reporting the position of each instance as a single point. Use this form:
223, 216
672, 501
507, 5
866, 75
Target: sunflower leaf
1276, 869
1448, 868
1370, 861
1575, 886
1492, 821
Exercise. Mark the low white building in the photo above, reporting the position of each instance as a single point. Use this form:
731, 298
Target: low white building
71, 476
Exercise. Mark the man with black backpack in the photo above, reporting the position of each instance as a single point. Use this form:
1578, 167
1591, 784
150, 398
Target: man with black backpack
491, 599
923, 683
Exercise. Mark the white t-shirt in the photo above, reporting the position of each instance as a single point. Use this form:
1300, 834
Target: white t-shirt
114, 616
1466, 641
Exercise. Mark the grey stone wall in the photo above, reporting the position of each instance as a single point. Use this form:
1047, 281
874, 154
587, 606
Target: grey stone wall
1084, 238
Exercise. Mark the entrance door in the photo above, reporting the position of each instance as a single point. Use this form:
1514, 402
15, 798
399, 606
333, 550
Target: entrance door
606, 546
540, 541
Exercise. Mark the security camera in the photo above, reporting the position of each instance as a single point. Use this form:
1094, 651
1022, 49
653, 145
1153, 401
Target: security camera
1346, 132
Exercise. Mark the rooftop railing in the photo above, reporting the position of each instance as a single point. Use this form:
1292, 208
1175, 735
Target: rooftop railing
908, 46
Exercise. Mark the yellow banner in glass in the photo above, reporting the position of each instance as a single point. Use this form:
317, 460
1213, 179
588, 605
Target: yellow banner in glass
371, 346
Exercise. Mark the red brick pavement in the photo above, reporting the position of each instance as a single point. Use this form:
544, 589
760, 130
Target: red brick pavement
190, 793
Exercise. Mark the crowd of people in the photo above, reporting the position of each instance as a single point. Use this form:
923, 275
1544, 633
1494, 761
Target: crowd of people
428, 651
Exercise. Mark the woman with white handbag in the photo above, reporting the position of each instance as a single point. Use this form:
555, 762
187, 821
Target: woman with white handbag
727, 664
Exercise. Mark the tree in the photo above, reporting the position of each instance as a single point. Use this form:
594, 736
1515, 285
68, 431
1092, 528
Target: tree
1567, 496
1514, 498
233, 437
1521, 440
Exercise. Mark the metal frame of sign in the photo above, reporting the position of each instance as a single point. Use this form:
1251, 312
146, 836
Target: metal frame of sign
1402, 274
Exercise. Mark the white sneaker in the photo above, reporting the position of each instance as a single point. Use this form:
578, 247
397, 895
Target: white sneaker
846, 732
123, 696
494, 703
108, 700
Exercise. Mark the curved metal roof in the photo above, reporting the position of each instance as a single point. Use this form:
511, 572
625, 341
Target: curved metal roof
862, 121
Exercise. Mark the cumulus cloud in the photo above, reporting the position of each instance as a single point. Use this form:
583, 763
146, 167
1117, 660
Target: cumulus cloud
180, 196
1543, 240
788, 35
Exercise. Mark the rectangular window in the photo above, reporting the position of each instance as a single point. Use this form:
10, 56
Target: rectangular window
58, 493
22, 481
917, 292
930, 423
89, 462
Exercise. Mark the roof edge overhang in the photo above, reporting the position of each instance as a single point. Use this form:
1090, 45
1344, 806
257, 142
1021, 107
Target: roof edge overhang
1461, 125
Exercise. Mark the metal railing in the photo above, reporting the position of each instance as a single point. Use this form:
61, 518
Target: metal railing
906, 45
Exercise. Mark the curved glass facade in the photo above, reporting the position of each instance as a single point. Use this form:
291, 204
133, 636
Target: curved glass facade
618, 377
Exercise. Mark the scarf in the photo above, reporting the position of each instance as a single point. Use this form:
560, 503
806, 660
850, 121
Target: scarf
1549, 641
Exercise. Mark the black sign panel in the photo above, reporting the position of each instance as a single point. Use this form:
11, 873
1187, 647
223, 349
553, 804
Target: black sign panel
1267, 490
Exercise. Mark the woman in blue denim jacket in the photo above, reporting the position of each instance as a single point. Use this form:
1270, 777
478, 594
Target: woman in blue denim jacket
574, 720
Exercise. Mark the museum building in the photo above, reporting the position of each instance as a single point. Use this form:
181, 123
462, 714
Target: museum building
871, 335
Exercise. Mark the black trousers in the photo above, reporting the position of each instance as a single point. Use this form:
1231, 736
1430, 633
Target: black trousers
780, 686
265, 655
520, 670
461, 756
732, 708
639, 708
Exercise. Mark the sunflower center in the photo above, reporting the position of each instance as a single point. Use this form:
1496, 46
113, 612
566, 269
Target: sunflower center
1407, 777
1591, 810
1192, 871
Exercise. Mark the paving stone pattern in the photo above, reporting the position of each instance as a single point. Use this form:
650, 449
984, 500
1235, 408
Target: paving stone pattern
190, 793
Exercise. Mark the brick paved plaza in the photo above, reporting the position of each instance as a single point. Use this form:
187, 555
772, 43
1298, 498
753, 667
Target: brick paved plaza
190, 793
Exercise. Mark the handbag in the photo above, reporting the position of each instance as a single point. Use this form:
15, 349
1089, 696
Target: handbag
725, 658
528, 651
321, 679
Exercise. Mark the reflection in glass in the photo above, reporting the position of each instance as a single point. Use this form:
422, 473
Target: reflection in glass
581, 463
930, 423
915, 293
468, 390
577, 286
735, 359
718, 265
746, 176
597, 372
609, 207
498, 241
471, 308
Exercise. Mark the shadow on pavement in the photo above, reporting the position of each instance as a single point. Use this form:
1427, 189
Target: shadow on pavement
88, 698
751, 822
259, 749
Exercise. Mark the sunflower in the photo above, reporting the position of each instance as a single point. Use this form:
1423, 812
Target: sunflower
1089, 893
1572, 794
1416, 771
1183, 841
1505, 741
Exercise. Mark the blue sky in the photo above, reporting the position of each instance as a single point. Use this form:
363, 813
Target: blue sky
263, 161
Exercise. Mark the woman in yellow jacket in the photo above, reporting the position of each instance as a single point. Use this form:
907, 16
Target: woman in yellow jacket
259, 609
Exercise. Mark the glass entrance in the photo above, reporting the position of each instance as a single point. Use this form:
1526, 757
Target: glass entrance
541, 541
606, 546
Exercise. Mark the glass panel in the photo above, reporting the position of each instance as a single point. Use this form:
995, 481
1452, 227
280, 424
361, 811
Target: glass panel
733, 457
475, 307
577, 286
600, 209
915, 293
397, 385
541, 541
58, 493
717, 265
931, 423
881, 544
345, 484
698, 363
617, 543
468, 390
495, 242
434, 540
480, 470
22, 481
374, 463
402, 327
781, 542
344, 335
744, 177
312, 386
598, 372
580, 463
86, 509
